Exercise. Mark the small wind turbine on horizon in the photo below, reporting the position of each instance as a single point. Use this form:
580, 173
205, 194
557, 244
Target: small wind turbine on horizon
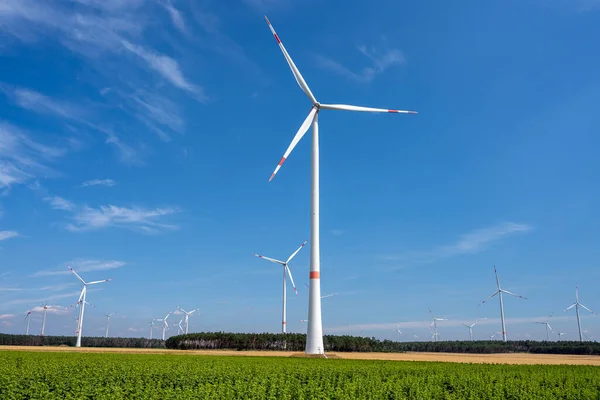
45, 307
577, 304
286, 271
471, 327
187, 316
559, 334
152, 325
82, 301
398, 331
28, 319
107, 323
314, 337
548, 327
499, 292
436, 335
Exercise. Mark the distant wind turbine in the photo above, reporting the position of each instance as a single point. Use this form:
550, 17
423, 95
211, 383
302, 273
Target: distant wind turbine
559, 334
398, 331
152, 325
107, 323
83, 302
548, 327
314, 337
28, 318
471, 327
286, 271
435, 319
187, 316
45, 307
577, 304
499, 292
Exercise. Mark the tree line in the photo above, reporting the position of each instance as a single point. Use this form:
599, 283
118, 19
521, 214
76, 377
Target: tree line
34, 340
295, 342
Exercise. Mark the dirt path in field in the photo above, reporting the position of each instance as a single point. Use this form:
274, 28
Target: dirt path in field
519, 358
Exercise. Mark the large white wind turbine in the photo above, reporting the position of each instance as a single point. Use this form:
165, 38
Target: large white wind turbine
314, 338
83, 302
286, 272
165, 324
434, 325
107, 323
499, 292
548, 327
577, 304
187, 316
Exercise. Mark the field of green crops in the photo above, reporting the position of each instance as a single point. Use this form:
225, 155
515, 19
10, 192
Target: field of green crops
47, 375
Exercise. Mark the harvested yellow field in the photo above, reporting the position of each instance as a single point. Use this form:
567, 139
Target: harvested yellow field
508, 358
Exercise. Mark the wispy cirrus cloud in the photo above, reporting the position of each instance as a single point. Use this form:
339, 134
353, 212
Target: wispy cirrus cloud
58, 203
469, 243
33, 300
82, 265
6, 316
175, 15
22, 158
8, 235
99, 182
381, 61
86, 218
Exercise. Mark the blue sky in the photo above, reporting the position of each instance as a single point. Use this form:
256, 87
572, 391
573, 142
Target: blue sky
137, 139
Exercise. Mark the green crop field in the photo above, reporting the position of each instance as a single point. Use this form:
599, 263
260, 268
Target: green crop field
48, 375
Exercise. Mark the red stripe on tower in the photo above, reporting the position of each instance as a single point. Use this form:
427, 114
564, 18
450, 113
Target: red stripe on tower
315, 275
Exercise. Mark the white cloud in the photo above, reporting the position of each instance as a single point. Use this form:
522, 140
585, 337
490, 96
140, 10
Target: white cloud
175, 15
58, 203
52, 309
31, 300
99, 182
380, 62
35, 101
470, 243
22, 158
146, 220
8, 234
82, 265
10, 289
337, 232
165, 66
6, 316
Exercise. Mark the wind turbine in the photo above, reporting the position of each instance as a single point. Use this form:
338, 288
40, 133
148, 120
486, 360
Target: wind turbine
470, 329
187, 316
286, 271
165, 324
152, 325
83, 302
434, 324
577, 304
559, 334
399, 331
28, 318
499, 293
314, 337
107, 323
45, 307
548, 327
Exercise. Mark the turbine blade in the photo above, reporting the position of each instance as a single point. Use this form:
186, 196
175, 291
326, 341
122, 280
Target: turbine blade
497, 280
512, 294
571, 306
270, 259
584, 307
495, 293
346, 107
295, 71
296, 252
96, 282
303, 128
291, 279
77, 275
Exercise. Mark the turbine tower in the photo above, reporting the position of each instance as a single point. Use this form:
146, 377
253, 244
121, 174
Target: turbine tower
286, 271
314, 337
499, 292
28, 318
152, 325
548, 327
107, 323
577, 304
434, 324
45, 307
187, 316
83, 302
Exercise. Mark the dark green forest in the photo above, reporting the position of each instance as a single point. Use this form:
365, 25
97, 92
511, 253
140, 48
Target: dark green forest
295, 342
